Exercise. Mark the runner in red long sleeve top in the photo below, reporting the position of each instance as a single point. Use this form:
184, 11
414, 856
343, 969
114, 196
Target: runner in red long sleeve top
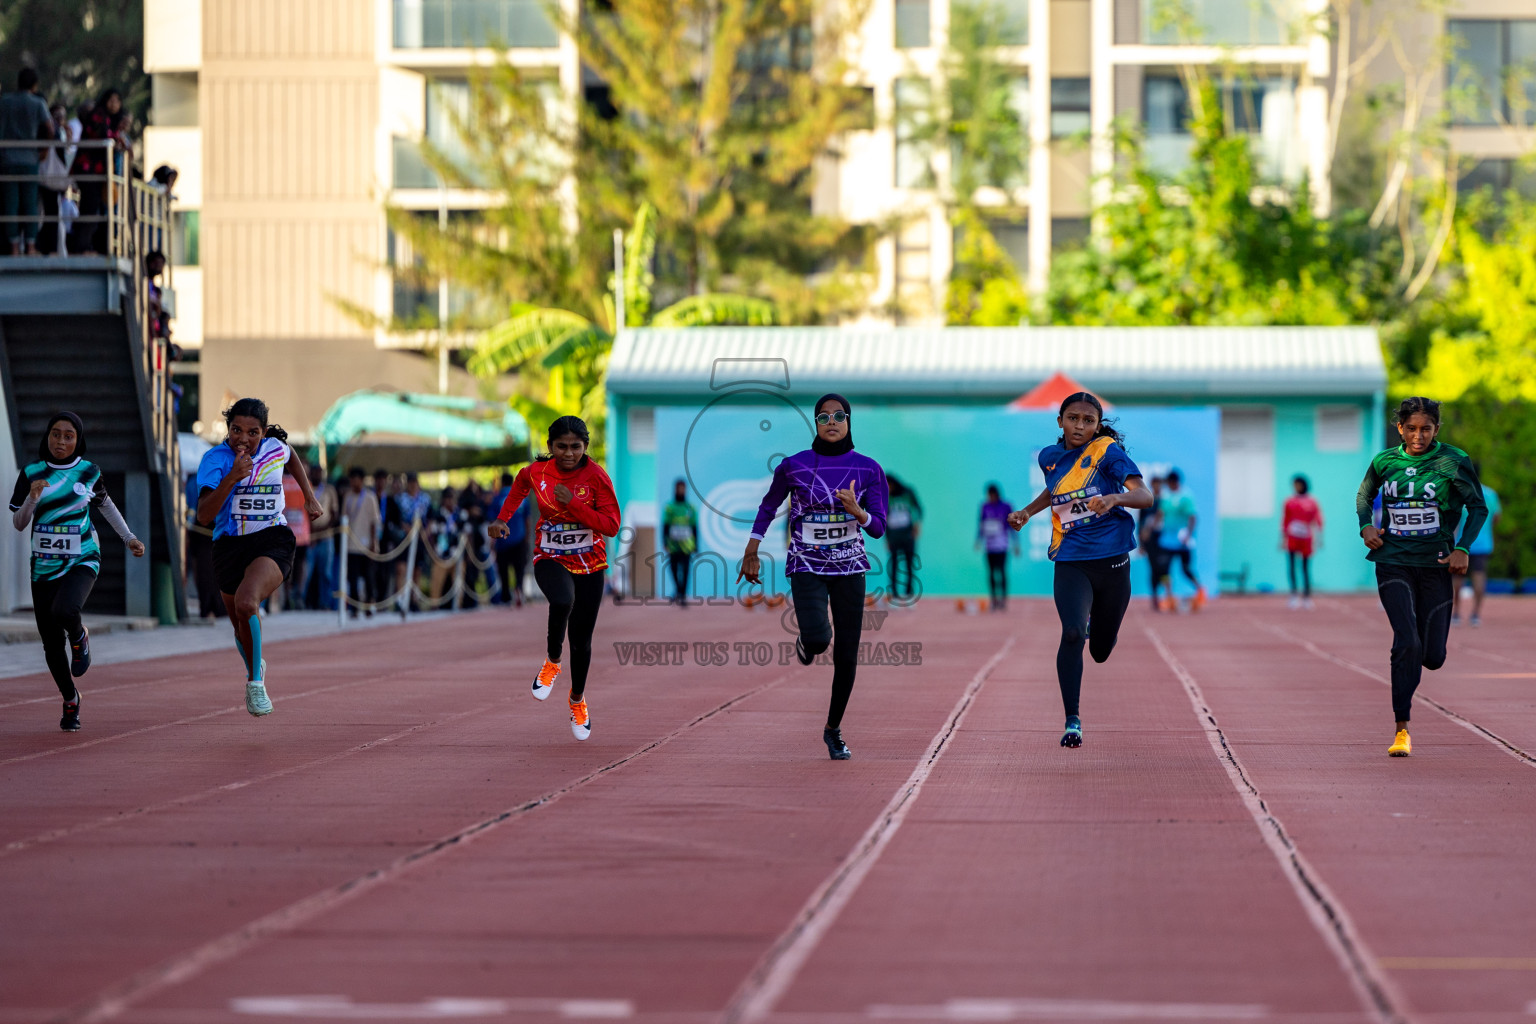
573, 534
577, 512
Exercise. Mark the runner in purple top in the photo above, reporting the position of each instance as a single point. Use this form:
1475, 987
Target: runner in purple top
993, 536
835, 497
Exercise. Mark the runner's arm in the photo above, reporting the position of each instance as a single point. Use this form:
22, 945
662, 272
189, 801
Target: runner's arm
778, 490
604, 517
521, 485
1041, 502
1365, 498
22, 503
1471, 491
876, 508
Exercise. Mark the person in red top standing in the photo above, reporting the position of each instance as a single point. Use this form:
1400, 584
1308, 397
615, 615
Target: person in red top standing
1301, 527
577, 511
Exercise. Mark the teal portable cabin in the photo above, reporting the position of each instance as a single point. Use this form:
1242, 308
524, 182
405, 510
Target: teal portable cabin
1238, 410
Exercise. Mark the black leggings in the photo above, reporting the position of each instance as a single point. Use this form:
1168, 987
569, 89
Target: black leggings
678, 561
813, 593
574, 600
1292, 559
902, 553
1417, 599
997, 578
1099, 591
56, 603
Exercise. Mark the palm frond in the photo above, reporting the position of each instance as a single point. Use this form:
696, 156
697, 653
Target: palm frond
577, 343
639, 251
521, 338
718, 309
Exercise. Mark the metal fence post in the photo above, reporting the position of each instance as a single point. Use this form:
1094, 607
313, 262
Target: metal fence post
341, 577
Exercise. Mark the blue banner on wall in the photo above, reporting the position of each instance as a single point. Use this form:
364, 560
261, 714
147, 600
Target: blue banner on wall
727, 451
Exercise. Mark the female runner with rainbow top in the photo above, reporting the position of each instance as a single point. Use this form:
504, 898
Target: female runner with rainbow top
1089, 483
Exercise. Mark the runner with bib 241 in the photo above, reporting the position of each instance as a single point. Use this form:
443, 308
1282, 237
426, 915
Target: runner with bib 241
1424, 485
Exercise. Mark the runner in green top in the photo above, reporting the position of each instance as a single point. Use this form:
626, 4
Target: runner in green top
680, 533
1424, 485
54, 497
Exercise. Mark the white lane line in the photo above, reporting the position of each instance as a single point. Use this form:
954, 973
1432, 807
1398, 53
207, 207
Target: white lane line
115, 999
1482, 732
442, 1008
1327, 914
774, 973
1067, 1009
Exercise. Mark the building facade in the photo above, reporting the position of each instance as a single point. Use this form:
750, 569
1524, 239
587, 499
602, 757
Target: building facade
293, 124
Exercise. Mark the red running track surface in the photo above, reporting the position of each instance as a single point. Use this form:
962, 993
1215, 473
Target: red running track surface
411, 837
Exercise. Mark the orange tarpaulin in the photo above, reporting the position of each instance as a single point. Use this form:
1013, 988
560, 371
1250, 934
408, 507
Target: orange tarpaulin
1049, 393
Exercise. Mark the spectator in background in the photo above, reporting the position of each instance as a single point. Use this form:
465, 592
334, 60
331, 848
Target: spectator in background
472, 504
104, 120
443, 526
320, 591
164, 180
1477, 557
159, 321
1148, 526
414, 504
680, 521
53, 186
1176, 523
903, 524
298, 521
24, 117
512, 550
360, 506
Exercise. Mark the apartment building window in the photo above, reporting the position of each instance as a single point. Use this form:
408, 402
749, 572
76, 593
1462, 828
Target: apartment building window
1069, 233
1491, 76
1220, 22
1014, 30
913, 19
186, 229
1264, 109
1013, 237
1500, 175
914, 132
1069, 107
468, 24
174, 96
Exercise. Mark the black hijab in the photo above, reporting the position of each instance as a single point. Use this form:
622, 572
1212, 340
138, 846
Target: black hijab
824, 447
42, 446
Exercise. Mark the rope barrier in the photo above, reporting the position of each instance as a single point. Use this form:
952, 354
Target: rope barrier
410, 591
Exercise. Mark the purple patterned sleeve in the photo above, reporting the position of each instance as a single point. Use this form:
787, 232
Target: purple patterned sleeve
876, 502
777, 491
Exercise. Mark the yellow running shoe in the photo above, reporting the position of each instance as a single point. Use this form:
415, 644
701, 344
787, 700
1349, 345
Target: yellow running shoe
581, 723
544, 682
1401, 745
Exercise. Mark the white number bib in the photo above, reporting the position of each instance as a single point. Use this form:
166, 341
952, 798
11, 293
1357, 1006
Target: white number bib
828, 529
1299, 529
56, 541
991, 528
1413, 518
1071, 510
899, 518
254, 507
565, 539
680, 532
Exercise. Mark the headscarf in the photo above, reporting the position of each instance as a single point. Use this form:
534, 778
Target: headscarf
824, 447
42, 447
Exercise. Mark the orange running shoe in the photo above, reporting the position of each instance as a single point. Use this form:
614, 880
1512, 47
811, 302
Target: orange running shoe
1401, 745
1170, 604
544, 682
581, 722
1198, 601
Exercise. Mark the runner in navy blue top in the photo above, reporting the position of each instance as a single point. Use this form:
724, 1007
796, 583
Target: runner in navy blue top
1089, 483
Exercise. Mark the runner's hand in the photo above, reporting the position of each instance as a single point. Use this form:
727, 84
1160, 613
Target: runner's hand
497, 530
1018, 519
563, 494
751, 567
242, 467
312, 506
137, 547
1457, 561
1372, 537
37, 489
850, 501
1101, 503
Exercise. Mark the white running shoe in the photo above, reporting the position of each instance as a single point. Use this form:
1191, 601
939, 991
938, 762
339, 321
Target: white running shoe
544, 682
1295, 602
581, 721
256, 700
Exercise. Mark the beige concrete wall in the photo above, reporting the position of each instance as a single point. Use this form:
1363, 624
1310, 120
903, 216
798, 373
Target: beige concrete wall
292, 218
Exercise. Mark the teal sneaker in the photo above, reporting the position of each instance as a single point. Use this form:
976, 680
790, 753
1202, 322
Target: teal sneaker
1073, 736
256, 700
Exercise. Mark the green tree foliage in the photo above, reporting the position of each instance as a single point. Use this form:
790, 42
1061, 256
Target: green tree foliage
1211, 248
80, 49
561, 356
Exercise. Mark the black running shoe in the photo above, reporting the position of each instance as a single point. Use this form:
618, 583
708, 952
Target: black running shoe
80, 653
801, 653
1073, 736
71, 720
833, 738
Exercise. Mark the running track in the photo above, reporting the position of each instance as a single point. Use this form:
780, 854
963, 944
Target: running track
411, 837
